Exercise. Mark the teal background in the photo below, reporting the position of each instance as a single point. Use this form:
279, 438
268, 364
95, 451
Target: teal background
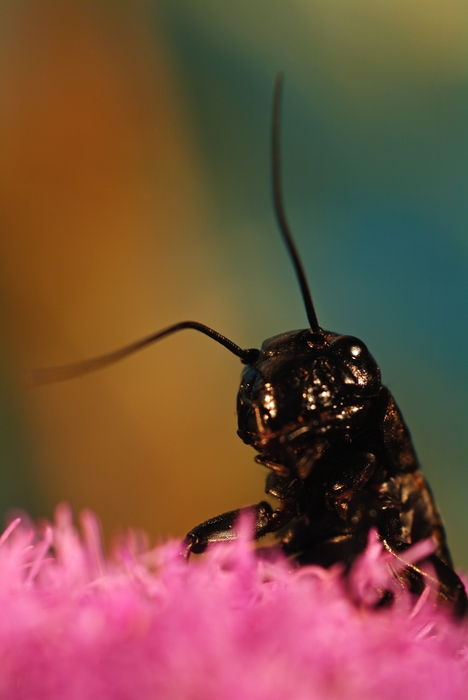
375, 171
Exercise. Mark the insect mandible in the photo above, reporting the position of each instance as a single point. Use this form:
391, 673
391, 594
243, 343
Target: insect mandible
339, 454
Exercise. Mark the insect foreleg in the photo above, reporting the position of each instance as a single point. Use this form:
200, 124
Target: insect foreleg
223, 527
442, 579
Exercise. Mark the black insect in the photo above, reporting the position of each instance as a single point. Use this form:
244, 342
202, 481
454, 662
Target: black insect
341, 460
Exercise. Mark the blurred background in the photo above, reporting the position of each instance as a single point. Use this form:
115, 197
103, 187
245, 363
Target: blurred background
135, 192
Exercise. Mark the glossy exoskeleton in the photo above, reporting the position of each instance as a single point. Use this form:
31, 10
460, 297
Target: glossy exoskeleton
341, 460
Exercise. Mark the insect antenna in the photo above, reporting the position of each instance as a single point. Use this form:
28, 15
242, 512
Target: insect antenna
279, 206
49, 375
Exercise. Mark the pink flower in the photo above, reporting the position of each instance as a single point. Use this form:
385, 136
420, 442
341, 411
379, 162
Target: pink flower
77, 625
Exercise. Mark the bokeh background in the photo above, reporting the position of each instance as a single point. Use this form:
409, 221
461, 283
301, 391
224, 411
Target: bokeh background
135, 192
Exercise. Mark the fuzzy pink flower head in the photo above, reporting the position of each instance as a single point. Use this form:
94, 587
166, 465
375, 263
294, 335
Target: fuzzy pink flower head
145, 624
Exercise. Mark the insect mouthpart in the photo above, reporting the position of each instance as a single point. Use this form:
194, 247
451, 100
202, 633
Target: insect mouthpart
267, 460
292, 454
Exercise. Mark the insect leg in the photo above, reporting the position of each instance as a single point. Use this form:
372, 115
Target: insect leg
223, 528
442, 579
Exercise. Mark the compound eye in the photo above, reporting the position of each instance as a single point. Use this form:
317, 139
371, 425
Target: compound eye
248, 380
246, 413
362, 369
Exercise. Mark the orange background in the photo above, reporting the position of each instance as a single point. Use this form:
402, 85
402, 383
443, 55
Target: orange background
104, 240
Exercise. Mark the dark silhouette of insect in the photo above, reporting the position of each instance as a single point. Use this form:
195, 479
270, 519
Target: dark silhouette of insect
341, 460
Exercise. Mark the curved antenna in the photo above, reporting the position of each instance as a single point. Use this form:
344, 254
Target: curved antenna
49, 375
279, 207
